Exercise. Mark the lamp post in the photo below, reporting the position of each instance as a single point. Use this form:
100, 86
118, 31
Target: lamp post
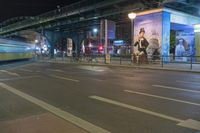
35, 50
95, 30
132, 16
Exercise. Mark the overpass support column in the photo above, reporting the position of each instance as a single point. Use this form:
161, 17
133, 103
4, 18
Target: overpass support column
197, 42
52, 38
78, 37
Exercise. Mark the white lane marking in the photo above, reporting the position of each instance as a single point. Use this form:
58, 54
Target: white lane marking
99, 70
26, 70
19, 78
161, 97
193, 124
55, 70
188, 82
175, 88
64, 78
135, 108
93, 68
190, 124
58, 112
99, 80
10, 73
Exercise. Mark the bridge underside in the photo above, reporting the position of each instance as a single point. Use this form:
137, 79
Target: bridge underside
75, 21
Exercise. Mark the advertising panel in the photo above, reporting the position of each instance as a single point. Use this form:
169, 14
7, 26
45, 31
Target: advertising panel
185, 45
111, 29
69, 46
197, 42
166, 36
151, 26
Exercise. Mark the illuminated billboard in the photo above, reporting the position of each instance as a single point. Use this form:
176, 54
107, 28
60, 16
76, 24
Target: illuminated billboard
151, 24
197, 28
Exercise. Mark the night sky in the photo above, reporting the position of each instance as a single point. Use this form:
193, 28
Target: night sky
14, 8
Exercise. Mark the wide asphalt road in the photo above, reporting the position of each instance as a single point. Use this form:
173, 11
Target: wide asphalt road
102, 99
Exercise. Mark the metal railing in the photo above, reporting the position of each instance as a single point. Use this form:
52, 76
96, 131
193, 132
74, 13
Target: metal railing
172, 62
63, 12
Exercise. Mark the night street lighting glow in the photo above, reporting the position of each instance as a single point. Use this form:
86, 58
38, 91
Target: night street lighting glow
36, 41
132, 15
95, 30
197, 28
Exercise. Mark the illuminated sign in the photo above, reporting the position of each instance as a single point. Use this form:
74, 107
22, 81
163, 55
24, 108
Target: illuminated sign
118, 42
111, 29
197, 28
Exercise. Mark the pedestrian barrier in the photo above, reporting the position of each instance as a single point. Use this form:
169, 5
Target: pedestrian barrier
174, 62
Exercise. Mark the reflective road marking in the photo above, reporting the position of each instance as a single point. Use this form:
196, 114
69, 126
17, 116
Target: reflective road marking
19, 78
98, 80
192, 124
188, 82
58, 112
134, 108
161, 97
10, 73
64, 78
55, 70
25, 70
174, 88
93, 68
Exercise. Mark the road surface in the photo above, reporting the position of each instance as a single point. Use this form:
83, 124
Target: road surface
48, 97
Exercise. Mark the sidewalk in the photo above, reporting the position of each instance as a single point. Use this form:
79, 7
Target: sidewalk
43, 123
127, 63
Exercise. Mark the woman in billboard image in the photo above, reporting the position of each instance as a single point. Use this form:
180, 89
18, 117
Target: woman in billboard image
180, 50
142, 45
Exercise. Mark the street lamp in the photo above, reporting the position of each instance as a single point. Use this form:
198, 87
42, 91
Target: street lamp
36, 41
95, 30
132, 16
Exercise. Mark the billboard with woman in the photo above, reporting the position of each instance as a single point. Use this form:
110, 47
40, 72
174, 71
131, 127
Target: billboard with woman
151, 27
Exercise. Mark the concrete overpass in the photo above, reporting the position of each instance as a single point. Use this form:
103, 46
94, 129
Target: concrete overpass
75, 20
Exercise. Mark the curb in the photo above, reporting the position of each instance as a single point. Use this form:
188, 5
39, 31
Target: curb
125, 66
